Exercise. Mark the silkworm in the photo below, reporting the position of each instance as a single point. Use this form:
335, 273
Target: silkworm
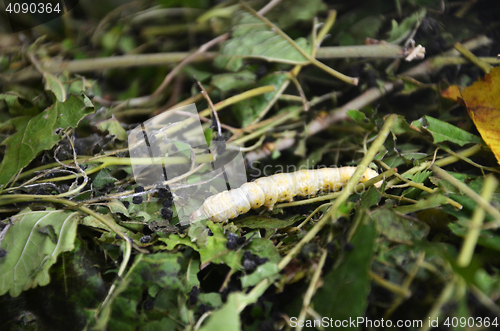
267, 191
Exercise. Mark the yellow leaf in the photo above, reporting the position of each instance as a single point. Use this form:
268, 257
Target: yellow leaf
482, 100
453, 92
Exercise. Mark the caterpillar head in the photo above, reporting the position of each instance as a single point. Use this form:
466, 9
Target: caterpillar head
369, 174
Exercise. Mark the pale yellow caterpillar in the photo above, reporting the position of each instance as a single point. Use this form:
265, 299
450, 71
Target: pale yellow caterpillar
267, 191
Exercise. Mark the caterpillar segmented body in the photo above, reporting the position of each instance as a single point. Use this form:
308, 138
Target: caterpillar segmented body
267, 191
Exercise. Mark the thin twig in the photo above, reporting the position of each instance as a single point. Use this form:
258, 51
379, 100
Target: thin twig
472, 58
215, 117
394, 288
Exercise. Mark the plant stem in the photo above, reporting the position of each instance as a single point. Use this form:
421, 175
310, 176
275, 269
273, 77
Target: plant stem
124, 61
428, 66
292, 113
469, 244
364, 51
173, 29
105, 307
444, 297
394, 288
441, 61
158, 59
472, 58
240, 97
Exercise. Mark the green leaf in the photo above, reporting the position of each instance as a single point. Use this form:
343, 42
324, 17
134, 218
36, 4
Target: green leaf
39, 134
212, 299
227, 318
366, 27
264, 248
113, 127
33, 243
401, 126
345, 291
262, 222
15, 122
75, 286
18, 104
183, 148
161, 271
102, 178
397, 160
412, 85
174, 239
419, 177
191, 71
288, 13
265, 270
469, 205
116, 206
398, 228
246, 111
442, 131
234, 81
93, 222
315, 156
251, 38
216, 251
55, 86
400, 32
422, 204
370, 198
356, 115
144, 211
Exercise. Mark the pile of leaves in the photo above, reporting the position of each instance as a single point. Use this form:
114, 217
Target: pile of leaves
83, 246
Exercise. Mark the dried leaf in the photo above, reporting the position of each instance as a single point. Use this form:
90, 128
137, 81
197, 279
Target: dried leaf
482, 100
